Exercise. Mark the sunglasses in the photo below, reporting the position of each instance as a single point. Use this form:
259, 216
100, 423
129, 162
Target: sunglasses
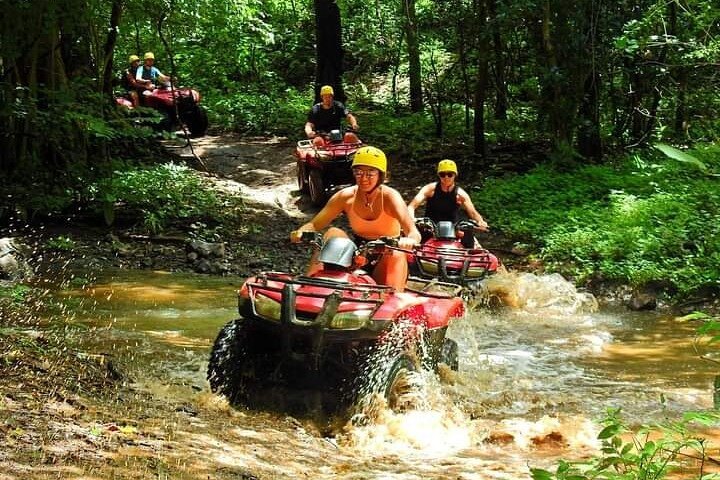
446, 174
365, 173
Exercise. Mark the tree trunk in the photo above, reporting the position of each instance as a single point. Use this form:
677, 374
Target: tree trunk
588, 135
501, 88
462, 57
480, 146
115, 16
416, 100
662, 58
589, 143
329, 51
681, 116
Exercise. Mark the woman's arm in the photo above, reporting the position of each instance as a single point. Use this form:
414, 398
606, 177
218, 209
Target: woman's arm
399, 210
332, 209
425, 192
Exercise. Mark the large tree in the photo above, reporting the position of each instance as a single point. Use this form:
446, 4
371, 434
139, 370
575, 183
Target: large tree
414, 70
329, 51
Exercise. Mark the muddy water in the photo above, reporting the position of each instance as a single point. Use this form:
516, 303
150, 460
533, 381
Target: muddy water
532, 379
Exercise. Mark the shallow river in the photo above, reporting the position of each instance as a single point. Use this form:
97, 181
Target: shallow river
532, 378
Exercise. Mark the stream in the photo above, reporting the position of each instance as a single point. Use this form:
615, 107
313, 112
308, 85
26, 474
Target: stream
532, 381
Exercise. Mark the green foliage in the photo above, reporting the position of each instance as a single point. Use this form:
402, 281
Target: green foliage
62, 243
16, 293
647, 219
263, 110
649, 452
161, 195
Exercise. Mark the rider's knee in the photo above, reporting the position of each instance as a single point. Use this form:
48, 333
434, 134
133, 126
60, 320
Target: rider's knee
350, 137
335, 232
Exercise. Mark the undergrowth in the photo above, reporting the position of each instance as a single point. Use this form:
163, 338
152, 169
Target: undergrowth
649, 218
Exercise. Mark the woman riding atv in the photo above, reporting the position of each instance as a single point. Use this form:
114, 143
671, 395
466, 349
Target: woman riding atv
374, 210
445, 198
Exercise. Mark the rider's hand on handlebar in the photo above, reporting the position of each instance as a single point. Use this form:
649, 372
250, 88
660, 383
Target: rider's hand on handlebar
296, 236
482, 226
406, 243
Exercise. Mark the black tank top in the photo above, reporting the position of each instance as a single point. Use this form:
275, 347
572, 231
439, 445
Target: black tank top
442, 206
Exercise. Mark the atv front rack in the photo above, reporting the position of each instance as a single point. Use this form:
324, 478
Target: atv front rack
433, 287
371, 295
290, 327
469, 265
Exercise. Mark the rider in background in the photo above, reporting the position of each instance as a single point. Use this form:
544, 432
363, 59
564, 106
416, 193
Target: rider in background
149, 72
132, 85
445, 198
326, 116
373, 210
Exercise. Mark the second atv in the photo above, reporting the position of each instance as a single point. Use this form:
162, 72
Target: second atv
323, 169
448, 253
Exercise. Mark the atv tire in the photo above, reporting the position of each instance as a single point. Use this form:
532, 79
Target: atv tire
393, 381
302, 179
316, 188
449, 354
227, 359
399, 390
196, 120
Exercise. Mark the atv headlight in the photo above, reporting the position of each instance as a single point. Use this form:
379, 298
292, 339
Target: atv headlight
267, 308
350, 320
476, 272
427, 266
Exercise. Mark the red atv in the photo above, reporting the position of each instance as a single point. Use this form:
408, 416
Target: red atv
448, 253
188, 109
322, 170
335, 334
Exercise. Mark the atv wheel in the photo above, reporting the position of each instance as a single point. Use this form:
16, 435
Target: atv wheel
227, 359
449, 354
316, 187
400, 388
302, 179
196, 120
395, 382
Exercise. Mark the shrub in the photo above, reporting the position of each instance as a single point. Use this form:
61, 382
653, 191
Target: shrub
161, 195
646, 219
649, 452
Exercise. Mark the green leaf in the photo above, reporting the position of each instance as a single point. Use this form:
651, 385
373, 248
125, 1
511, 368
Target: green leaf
540, 474
610, 431
693, 316
680, 156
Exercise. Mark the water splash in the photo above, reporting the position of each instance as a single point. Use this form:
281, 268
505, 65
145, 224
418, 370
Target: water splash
575, 433
435, 428
544, 294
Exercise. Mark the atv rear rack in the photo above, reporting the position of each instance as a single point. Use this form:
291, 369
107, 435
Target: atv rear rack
329, 152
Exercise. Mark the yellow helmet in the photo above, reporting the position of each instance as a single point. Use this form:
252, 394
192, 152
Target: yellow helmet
370, 157
149, 55
326, 90
447, 166
133, 58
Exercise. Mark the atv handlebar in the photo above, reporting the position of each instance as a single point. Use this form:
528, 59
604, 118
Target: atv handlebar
466, 225
462, 225
313, 238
